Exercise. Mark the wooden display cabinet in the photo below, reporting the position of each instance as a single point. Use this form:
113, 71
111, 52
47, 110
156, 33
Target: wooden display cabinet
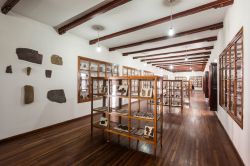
181, 78
186, 91
196, 81
139, 122
92, 68
173, 93
231, 78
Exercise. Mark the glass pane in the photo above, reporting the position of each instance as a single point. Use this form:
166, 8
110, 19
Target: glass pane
239, 78
102, 70
84, 65
94, 69
231, 79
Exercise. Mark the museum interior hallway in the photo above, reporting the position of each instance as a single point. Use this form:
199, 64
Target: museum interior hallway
194, 137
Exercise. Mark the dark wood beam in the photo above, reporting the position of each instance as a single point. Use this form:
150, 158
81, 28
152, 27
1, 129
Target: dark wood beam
175, 52
207, 39
189, 32
199, 67
178, 56
182, 62
8, 5
100, 10
180, 59
198, 9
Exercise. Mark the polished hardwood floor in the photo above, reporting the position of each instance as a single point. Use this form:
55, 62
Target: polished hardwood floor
193, 137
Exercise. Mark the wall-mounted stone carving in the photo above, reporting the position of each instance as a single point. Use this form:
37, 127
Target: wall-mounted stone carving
28, 94
48, 73
29, 55
57, 60
56, 96
28, 70
8, 69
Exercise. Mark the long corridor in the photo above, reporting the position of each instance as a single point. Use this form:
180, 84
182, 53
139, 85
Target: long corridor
194, 137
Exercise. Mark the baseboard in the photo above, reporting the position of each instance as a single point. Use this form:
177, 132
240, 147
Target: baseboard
5, 140
47, 128
235, 150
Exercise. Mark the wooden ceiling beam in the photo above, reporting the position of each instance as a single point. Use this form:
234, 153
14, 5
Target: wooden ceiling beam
189, 32
8, 5
178, 56
175, 52
100, 10
198, 9
207, 39
180, 59
187, 68
177, 64
185, 63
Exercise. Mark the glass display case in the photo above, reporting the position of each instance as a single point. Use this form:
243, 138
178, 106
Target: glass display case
88, 68
196, 81
136, 121
231, 78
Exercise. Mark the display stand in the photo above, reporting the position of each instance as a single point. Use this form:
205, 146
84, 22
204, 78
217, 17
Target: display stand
137, 120
173, 93
186, 91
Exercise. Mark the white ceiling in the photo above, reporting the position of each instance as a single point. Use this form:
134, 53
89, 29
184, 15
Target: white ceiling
136, 12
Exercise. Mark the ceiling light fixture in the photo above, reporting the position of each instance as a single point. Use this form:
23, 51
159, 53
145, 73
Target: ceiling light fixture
171, 31
171, 67
98, 48
98, 28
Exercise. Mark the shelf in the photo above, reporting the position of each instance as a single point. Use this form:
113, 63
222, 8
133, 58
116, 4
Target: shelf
133, 97
132, 136
101, 109
97, 125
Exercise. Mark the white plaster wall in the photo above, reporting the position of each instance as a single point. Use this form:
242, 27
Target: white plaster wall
236, 17
17, 31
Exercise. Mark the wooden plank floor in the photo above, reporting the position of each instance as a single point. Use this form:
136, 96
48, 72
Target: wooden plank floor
193, 137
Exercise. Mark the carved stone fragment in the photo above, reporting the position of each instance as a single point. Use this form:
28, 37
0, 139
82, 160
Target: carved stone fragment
29, 55
57, 60
56, 96
28, 94
8, 69
48, 73
28, 69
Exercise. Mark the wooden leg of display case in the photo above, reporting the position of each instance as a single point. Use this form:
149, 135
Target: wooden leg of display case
155, 150
119, 122
137, 144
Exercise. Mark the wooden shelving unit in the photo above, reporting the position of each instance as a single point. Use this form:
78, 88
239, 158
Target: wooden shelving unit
196, 81
134, 122
92, 68
186, 91
181, 78
231, 78
173, 93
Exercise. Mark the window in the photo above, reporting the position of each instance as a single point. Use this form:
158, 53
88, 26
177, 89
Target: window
231, 78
